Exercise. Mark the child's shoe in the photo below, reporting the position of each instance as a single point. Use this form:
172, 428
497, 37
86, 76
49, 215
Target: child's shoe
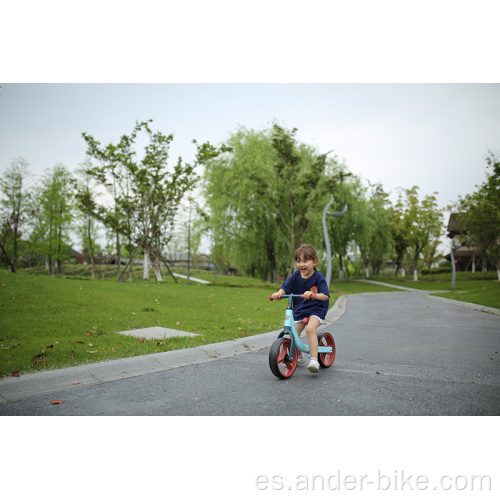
313, 366
300, 359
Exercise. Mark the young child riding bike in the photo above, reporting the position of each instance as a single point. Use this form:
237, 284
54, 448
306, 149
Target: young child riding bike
307, 280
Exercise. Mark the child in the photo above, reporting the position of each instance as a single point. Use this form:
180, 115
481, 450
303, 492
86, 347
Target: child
312, 284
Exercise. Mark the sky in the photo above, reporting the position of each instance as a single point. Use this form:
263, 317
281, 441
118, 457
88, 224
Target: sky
434, 136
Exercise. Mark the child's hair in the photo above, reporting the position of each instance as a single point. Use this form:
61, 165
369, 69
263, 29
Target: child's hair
307, 252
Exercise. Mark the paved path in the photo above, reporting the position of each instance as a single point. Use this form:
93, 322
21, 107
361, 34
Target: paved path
398, 353
198, 280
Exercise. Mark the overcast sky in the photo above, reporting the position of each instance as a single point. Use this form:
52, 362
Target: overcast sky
434, 136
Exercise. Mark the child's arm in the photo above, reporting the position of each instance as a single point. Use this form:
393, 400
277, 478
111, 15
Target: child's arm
278, 294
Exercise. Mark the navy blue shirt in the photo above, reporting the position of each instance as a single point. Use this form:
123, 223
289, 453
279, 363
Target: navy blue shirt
302, 308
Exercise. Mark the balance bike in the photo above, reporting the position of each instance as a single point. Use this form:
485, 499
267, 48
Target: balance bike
283, 354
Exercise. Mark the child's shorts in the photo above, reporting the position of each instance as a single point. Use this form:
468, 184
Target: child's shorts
321, 321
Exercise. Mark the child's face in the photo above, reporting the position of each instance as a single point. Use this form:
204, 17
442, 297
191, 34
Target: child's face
306, 266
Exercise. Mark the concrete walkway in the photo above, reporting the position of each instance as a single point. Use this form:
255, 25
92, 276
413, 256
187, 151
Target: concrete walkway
469, 305
198, 280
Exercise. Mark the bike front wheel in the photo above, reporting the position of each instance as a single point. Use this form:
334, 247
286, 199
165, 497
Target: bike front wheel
279, 358
326, 358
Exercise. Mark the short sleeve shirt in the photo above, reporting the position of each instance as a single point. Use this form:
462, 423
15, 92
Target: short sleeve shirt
302, 308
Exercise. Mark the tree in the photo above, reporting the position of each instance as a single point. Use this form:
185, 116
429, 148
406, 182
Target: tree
13, 188
416, 223
148, 191
301, 183
243, 219
38, 226
480, 213
86, 206
265, 198
399, 233
377, 244
110, 173
190, 226
56, 211
430, 253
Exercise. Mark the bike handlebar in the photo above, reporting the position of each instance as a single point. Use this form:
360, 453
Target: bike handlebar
312, 297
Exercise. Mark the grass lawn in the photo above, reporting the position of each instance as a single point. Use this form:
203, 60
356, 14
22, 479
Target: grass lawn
54, 322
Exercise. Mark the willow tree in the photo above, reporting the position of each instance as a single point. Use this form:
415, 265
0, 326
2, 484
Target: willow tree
302, 182
242, 218
377, 242
265, 197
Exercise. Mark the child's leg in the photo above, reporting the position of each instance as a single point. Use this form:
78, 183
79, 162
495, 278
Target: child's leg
312, 339
299, 326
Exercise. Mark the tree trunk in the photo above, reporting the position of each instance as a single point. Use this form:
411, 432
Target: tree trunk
13, 263
147, 261
157, 268
273, 266
59, 244
118, 255
292, 242
91, 252
12, 267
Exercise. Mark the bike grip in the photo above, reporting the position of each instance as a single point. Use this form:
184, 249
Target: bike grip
312, 297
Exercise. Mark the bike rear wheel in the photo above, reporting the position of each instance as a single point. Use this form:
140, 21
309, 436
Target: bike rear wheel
279, 358
326, 358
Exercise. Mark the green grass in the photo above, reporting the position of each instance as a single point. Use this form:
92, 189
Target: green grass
476, 288
49, 322
477, 292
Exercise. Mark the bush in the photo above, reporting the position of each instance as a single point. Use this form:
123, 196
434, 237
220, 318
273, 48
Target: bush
435, 270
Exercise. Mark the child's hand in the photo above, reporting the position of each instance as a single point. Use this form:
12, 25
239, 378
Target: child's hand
275, 296
309, 295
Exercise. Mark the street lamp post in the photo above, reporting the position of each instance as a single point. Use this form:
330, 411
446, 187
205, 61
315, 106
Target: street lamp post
327, 241
453, 270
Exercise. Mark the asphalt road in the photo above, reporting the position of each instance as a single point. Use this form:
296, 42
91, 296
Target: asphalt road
398, 353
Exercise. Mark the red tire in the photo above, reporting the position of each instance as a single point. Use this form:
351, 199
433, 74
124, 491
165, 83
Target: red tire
279, 358
326, 359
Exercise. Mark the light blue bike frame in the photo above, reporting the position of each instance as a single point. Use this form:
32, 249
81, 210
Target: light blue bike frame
289, 329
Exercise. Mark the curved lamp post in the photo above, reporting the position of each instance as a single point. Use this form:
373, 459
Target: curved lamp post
327, 241
453, 270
